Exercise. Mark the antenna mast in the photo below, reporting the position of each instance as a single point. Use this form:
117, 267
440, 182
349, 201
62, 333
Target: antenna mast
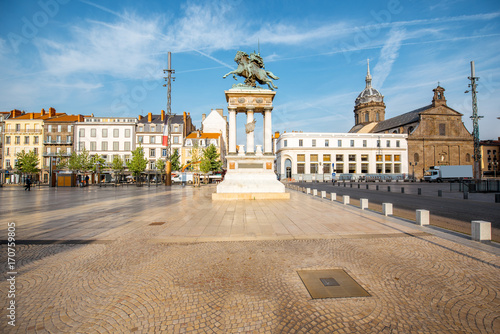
475, 118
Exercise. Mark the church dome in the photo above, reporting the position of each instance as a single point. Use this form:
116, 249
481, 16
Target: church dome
369, 94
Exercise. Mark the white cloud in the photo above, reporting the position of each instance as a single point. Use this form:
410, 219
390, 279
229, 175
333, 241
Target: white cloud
388, 56
3, 46
120, 49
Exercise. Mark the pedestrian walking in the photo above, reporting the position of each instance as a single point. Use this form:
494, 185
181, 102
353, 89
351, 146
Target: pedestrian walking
28, 184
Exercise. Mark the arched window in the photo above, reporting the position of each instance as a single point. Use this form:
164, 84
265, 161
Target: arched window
395, 131
416, 157
467, 157
377, 117
367, 117
410, 129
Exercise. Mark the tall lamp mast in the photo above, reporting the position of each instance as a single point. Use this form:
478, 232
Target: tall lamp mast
168, 79
475, 122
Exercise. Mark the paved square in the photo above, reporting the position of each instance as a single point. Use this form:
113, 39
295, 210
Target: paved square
89, 261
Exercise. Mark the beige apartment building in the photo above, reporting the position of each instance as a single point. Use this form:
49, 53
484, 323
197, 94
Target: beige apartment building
24, 132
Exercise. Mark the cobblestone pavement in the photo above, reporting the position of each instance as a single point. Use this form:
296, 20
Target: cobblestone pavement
176, 277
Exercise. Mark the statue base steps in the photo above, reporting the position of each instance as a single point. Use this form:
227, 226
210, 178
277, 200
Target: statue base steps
250, 177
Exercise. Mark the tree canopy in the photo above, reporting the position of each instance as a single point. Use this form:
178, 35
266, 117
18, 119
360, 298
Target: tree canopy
138, 163
210, 161
27, 162
175, 160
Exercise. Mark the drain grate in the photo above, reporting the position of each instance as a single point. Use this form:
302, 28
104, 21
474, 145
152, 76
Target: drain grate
156, 223
331, 283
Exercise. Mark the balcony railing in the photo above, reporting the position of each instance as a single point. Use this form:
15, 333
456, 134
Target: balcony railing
60, 142
23, 131
65, 154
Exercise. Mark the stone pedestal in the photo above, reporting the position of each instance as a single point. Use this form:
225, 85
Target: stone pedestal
250, 173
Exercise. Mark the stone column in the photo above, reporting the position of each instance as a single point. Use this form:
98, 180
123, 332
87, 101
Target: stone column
268, 136
232, 130
250, 135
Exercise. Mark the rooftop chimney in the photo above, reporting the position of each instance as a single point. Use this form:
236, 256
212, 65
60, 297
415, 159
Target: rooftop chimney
42, 112
220, 111
139, 117
80, 118
15, 113
150, 117
32, 115
163, 115
52, 112
203, 116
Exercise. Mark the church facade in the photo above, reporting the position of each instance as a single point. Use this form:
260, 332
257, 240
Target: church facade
436, 133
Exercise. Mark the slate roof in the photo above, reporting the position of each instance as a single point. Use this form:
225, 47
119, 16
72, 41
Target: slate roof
406, 118
176, 119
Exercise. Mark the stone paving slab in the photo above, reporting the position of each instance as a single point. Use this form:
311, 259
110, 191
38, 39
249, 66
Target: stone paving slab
193, 274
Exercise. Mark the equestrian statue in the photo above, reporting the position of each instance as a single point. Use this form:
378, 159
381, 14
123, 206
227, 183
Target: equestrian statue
253, 70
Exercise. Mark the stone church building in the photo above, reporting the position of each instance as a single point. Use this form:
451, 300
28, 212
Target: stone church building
436, 133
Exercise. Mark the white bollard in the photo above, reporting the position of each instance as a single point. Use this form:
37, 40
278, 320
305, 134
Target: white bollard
480, 230
315, 192
387, 209
333, 196
363, 203
308, 190
323, 194
345, 199
422, 217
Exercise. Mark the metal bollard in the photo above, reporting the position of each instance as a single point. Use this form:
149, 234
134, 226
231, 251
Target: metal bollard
440, 193
389, 188
419, 191
497, 198
402, 190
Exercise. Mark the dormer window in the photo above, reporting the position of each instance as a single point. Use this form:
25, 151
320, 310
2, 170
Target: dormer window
189, 142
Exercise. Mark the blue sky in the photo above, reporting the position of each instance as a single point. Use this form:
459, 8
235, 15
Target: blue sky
106, 57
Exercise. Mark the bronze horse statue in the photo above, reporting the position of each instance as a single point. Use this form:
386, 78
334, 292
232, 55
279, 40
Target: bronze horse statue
252, 69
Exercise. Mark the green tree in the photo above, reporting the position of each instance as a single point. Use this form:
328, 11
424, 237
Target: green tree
118, 166
74, 162
85, 161
160, 165
96, 160
195, 156
62, 162
138, 163
175, 160
210, 161
27, 162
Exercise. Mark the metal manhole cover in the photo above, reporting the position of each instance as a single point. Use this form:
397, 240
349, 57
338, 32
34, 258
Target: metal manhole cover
156, 223
331, 283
